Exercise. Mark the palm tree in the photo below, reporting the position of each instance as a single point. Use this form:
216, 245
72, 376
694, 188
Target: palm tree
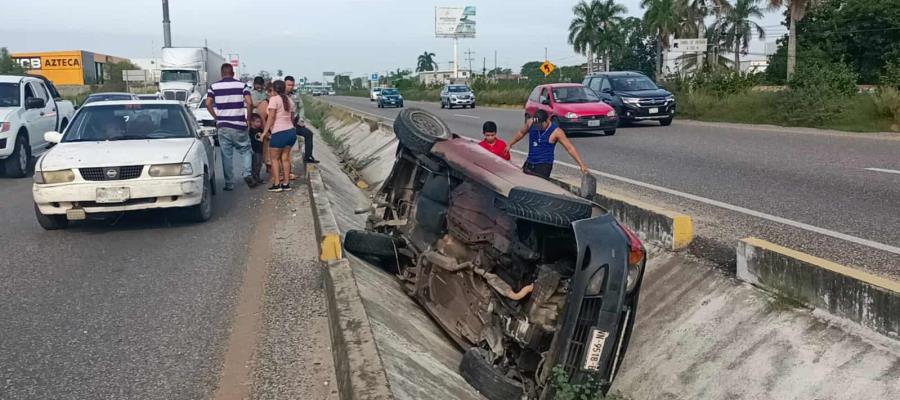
609, 17
583, 30
739, 27
663, 18
426, 62
797, 10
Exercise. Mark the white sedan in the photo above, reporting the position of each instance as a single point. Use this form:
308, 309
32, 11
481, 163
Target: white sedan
123, 156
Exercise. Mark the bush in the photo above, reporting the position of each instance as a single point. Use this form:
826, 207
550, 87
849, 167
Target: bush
720, 83
818, 76
890, 76
887, 102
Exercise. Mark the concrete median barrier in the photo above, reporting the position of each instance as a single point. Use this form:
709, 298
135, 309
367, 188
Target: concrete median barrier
869, 300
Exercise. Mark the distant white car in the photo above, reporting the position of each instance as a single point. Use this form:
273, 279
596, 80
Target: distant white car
117, 156
376, 92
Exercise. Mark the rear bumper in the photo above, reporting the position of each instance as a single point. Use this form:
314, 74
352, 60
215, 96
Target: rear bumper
149, 193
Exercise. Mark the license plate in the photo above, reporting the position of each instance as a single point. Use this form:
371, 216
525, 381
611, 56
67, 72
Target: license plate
653, 110
595, 349
113, 195
593, 123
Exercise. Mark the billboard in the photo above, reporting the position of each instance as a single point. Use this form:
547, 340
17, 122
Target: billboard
454, 22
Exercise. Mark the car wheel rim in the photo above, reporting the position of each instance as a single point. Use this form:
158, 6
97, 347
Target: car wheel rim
427, 123
23, 158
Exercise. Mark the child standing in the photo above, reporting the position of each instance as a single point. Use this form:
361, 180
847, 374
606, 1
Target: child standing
255, 132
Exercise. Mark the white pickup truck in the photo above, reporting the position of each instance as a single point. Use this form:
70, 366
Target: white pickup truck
29, 107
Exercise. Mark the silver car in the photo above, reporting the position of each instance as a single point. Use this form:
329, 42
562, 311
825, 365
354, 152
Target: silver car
457, 95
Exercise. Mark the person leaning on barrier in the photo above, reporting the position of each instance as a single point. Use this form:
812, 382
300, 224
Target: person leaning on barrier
300, 126
543, 135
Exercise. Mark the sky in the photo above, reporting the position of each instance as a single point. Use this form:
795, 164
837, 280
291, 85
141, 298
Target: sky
307, 37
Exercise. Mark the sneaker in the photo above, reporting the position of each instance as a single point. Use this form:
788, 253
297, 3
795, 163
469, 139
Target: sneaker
259, 181
286, 187
251, 183
274, 188
311, 161
228, 188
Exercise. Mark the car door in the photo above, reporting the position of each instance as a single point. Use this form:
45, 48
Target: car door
207, 142
47, 114
35, 118
604, 90
546, 103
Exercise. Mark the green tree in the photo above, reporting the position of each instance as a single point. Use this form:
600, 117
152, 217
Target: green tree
797, 9
637, 52
279, 73
663, 18
739, 28
426, 62
115, 70
499, 71
609, 16
584, 30
532, 71
8, 66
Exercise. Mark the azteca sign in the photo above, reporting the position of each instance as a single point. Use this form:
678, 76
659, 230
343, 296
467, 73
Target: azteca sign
49, 62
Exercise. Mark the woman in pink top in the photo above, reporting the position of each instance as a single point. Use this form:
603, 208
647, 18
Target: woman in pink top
282, 136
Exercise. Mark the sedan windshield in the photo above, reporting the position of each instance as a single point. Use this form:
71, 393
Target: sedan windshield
458, 89
106, 97
390, 92
9, 94
630, 83
128, 122
574, 94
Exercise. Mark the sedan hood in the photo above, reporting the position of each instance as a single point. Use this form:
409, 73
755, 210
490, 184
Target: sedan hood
598, 108
5, 112
116, 153
645, 93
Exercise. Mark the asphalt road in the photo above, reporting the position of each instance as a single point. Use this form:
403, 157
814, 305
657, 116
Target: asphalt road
143, 307
841, 184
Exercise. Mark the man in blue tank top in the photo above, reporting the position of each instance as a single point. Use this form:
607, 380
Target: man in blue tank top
542, 137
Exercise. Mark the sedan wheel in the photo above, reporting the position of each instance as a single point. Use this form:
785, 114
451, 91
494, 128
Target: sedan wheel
202, 212
18, 162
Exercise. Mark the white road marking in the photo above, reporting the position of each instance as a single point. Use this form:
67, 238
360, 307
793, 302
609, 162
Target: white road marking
731, 207
890, 171
466, 116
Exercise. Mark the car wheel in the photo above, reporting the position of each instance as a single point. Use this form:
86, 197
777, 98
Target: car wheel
442, 104
213, 189
473, 105
666, 122
546, 208
202, 212
418, 130
50, 222
610, 132
401, 105
370, 244
478, 371
18, 162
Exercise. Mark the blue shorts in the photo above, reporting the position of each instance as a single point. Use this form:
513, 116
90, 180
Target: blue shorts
285, 138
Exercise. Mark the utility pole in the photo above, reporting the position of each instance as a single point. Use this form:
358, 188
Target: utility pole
484, 67
469, 58
167, 30
545, 55
495, 63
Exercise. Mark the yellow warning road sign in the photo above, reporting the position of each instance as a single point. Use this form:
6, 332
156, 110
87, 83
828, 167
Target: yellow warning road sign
547, 68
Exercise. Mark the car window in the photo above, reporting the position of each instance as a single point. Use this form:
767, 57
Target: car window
594, 84
129, 122
9, 95
605, 85
458, 89
390, 92
629, 83
39, 91
28, 92
543, 95
107, 97
574, 94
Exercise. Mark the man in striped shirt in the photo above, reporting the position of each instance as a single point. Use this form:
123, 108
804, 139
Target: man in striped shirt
229, 102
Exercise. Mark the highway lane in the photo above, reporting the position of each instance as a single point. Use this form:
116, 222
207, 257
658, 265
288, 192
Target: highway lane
836, 182
143, 307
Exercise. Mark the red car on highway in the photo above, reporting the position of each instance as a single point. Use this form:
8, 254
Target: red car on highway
574, 108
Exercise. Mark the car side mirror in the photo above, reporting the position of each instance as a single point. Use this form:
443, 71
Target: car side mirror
207, 131
545, 101
34, 102
607, 90
53, 137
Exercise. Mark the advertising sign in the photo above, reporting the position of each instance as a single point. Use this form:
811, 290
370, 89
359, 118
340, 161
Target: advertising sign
49, 62
454, 22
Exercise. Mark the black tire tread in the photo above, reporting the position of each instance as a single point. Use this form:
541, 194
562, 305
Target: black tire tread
475, 369
413, 137
547, 208
365, 243
12, 162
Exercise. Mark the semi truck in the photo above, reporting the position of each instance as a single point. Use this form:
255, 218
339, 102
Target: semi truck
187, 72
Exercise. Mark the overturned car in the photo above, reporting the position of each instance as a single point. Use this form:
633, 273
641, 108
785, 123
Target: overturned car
536, 284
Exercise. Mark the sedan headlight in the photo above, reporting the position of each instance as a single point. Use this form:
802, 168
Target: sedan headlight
171, 170
670, 98
631, 100
611, 112
4, 126
52, 177
571, 115
400, 97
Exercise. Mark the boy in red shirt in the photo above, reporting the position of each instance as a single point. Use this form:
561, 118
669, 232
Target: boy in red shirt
491, 142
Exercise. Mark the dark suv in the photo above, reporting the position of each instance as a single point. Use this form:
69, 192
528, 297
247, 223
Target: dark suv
634, 96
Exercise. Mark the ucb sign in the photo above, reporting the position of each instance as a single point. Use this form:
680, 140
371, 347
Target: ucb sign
49, 62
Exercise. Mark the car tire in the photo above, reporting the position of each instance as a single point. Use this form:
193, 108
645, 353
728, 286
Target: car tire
202, 212
666, 122
370, 244
487, 380
546, 208
50, 222
418, 130
213, 188
609, 132
18, 163
473, 105
442, 104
